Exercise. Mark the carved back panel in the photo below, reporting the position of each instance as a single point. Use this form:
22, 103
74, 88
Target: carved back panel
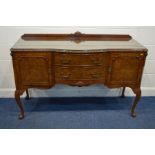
76, 37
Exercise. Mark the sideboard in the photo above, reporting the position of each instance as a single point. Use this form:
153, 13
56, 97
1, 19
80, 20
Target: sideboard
43, 60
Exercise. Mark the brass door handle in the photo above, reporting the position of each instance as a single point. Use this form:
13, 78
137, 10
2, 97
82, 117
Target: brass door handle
109, 69
49, 70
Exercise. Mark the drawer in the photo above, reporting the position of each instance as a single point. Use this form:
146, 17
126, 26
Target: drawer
76, 73
68, 59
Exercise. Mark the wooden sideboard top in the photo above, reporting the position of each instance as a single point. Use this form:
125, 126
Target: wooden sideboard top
76, 42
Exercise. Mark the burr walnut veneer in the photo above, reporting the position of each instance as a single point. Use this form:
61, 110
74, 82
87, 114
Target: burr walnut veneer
43, 60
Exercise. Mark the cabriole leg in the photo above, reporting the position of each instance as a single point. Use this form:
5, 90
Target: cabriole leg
123, 91
19, 103
137, 98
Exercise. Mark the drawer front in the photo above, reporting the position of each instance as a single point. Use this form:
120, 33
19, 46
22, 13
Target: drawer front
69, 59
76, 73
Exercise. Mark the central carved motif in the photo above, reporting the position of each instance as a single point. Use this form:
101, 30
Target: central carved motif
77, 37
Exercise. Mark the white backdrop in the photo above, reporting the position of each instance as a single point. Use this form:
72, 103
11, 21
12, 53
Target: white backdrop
9, 35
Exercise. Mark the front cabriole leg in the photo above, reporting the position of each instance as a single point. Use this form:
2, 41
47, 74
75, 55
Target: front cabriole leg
137, 98
19, 103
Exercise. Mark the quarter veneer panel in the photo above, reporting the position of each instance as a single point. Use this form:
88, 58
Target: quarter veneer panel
125, 68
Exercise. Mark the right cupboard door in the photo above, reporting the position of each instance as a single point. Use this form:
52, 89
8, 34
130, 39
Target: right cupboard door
125, 69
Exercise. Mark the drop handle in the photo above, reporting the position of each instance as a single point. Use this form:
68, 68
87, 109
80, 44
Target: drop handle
95, 75
65, 76
65, 62
97, 62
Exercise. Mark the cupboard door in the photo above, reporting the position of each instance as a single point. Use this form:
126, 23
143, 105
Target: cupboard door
125, 68
33, 69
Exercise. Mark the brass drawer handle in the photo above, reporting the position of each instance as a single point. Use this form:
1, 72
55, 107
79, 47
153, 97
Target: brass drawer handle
96, 62
65, 76
65, 62
95, 75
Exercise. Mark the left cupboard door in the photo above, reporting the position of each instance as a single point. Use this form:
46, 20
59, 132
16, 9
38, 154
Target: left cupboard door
33, 69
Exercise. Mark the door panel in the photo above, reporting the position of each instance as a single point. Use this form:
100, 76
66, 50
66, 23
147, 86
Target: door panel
34, 69
125, 68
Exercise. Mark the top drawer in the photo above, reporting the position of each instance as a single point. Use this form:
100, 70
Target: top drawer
78, 59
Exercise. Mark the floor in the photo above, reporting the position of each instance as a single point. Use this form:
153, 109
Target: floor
78, 113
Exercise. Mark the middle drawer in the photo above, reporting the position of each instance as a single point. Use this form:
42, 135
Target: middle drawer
70, 59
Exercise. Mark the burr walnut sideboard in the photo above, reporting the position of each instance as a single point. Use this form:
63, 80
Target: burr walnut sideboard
43, 60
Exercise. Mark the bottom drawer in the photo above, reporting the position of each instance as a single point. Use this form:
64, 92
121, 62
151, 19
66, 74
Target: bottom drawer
79, 73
